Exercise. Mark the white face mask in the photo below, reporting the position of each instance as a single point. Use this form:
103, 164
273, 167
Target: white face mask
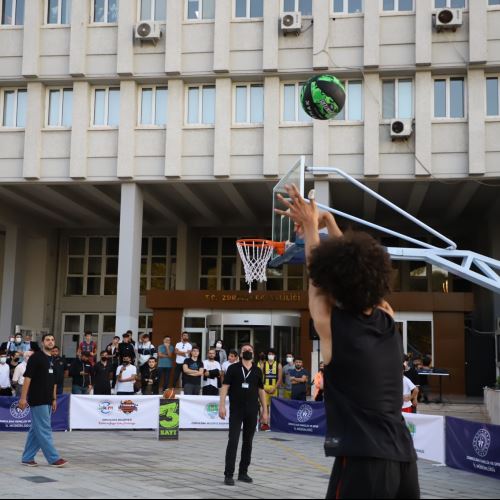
289, 360
18, 340
271, 357
219, 346
3, 361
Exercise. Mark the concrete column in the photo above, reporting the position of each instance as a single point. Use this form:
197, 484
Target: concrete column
321, 143
371, 34
271, 34
11, 305
126, 23
173, 38
423, 122
222, 152
129, 259
478, 29
182, 257
477, 116
126, 134
80, 15
372, 121
423, 46
222, 39
33, 19
175, 121
321, 35
322, 189
33, 131
271, 125
79, 129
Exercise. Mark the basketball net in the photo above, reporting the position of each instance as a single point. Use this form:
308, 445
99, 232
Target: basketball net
255, 254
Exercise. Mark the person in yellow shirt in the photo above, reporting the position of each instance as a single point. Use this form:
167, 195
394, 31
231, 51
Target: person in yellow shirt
272, 373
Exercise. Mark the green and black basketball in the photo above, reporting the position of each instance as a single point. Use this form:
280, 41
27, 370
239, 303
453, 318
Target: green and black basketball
323, 97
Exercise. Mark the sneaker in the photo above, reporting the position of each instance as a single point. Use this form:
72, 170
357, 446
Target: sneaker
60, 463
228, 480
31, 463
245, 478
265, 428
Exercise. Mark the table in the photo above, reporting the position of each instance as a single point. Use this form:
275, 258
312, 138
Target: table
440, 375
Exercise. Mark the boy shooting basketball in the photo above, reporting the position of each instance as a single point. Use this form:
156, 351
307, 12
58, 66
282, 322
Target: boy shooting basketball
349, 278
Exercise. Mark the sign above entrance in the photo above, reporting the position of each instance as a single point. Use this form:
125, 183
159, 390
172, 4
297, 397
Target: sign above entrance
254, 297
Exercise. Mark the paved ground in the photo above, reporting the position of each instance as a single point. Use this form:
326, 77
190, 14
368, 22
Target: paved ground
135, 465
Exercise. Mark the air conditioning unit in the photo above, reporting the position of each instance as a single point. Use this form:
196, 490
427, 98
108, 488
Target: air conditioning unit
448, 19
291, 22
401, 129
147, 31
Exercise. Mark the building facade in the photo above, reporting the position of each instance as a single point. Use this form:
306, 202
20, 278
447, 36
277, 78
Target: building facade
130, 165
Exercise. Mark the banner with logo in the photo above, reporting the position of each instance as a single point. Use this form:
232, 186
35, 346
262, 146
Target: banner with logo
202, 412
168, 428
427, 432
15, 420
298, 417
473, 447
114, 412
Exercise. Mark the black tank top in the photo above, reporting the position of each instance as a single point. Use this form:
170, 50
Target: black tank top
364, 389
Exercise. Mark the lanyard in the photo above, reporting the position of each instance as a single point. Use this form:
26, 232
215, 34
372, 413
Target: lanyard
247, 375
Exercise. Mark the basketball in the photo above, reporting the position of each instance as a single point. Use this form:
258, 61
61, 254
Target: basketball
323, 97
169, 394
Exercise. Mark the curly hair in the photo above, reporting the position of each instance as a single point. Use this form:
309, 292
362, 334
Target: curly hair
354, 269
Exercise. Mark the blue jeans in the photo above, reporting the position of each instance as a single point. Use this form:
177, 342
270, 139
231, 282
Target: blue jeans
78, 389
40, 435
165, 372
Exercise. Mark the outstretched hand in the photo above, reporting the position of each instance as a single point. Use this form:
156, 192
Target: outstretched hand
304, 215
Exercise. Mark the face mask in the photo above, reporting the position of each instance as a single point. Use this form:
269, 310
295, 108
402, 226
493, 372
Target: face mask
104, 359
18, 340
3, 361
289, 360
219, 346
247, 355
125, 363
270, 357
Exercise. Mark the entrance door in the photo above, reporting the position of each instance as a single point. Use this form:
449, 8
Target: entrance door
417, 330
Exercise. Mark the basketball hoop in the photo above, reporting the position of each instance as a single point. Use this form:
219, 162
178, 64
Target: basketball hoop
255, 254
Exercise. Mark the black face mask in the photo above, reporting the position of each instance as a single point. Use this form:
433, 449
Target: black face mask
126, 363
247, 356
104, 359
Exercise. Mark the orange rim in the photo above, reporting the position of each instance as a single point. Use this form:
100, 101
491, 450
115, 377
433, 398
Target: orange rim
279, 246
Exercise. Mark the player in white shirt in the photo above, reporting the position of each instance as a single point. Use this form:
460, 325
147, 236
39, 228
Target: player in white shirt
212, 375
182, 352
126, 375
410, 394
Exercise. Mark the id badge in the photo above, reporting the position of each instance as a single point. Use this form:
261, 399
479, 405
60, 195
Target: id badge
51, 371
245, 385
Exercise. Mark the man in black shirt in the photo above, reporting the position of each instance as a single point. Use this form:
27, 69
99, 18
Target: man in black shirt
102, 376
126, 348
243, 383
60, 369
349, 277
39, 390
82, 373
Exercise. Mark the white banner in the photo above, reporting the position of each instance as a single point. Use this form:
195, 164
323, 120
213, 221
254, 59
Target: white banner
202, 412
428, 432
114, 412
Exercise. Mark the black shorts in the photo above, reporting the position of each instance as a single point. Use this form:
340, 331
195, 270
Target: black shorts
354, 477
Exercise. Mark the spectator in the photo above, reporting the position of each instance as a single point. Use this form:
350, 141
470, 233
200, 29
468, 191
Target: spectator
193, 372
127, 349
410, 395
166, 355
212, 373
319, 383
231, 360
423, 379
287, 383
15, 361
9, 348
273, 374
60, 369
220, 352
150, 377
410, 371
5, 385
126, 375
145, 350
299, 378
82, 373
182, 351
19, 345
114, 356
29, 344
103, 375
89, 347
18, 377
39, 390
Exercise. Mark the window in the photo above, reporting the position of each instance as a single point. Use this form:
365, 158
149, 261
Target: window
249, 103
201, 105
493, 2
449, 98
14, 108
106, 107
353, 107
398, 5
59, 12
292, 110
105, 11
219, 266
200, 9
450, 4
158, 263
249, 8
397, 99
153, 106
153, 10
347, 6
288, 278
12, 12
60, 111
303, 6
492, 96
